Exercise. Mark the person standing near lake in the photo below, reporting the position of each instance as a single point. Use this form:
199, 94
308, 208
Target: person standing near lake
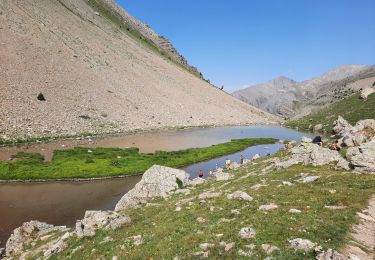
227, 163
201, 174
241, 159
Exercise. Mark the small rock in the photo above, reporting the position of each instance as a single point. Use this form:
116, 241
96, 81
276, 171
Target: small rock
209, 195
308, 179
206, 246
178, 208
257, 186
335, 207
197, 181
301, 244
247, 232
114, 257
269, 249
219, 235
250, 246
329, 254
305, 139
332, 191
268, 207
235, 212
229, 246
239, 195
106, 240
137, 240
201, 220
244, 253
287, 183
294, 211
256, 156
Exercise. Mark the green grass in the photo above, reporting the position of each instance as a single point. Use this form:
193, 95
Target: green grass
110, 162
351, 108
167, 233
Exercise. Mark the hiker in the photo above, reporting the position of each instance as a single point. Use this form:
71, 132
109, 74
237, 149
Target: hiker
335, 146
241, 159
318, 140
201, 173
227, 163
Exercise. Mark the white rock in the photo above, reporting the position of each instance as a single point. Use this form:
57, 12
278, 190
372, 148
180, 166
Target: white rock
305, 139
269, 249
294, 211
268, 207
239, 195
157, 181
301, 244
197, 181
206, 246
209, 195
308, 179
247, 232
256, 156
201, 220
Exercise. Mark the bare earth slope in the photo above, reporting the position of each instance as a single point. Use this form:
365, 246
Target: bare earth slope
96, 77
285, 97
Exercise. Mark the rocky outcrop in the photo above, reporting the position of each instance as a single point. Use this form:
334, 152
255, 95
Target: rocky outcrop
27, 233
362, 158
366, 92
314, 155
350, 135
158, 181
301, 244
94, 220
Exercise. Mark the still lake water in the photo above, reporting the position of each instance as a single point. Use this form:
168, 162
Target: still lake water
62, 203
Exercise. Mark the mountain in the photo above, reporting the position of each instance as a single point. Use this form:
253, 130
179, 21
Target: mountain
287, 98
87, 66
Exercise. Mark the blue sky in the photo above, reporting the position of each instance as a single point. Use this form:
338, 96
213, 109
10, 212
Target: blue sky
241, 42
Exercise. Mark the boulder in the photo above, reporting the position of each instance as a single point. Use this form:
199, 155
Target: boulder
311, 154
362, 157
209, 195
93, 220
158, 181
366, 92
305, 139
318, 128
268, 207
239, 195
301, 244
341, 126
197, 181
308, 179
269, 249
329, 254
27, 233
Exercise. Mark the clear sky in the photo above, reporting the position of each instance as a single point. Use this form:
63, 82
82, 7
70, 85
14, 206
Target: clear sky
240, 42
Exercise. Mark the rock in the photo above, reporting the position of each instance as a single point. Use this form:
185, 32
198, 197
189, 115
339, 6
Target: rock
366, 92
28, 233
239, 195
335, 207
329, 254
247, 232
201, 220
341, 126
222, 176
235, 212
2, 252
250, 246
362, 158
287, 183
257, 186
157, 181
137, 240
229, 246
305, 139
269, 249
209, 195
308, 179
56, 247
366, 217
311, 154
256, 156
106, 240
244, 253
294, 211
114, 257
318, 128
301, 244
94, 220
268, 207
206, 246
178, 209
197, 181
182, 191
332, 191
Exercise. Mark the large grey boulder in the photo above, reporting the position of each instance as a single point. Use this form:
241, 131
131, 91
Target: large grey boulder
341, 126
97, 219
362, 157
366, 92
350, 135
312, 154
158, 181
27, 233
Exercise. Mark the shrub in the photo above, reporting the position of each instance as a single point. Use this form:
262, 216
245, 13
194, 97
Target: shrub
41, 97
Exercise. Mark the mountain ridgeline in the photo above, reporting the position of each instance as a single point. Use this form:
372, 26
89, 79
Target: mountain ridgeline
290, 99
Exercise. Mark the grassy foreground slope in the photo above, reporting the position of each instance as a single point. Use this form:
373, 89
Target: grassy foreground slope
110, 162
168, 233
351, 108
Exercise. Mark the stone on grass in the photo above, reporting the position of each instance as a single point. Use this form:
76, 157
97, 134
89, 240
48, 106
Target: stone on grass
244, 253
201, 220
158, 181
362, 158
197, 181
209, 195
294, 211
229, 246
247, 232
329, 254
137, 240
301, 244
269, 249
308, 179
235, 212
239, 195
255, 156
268, 207
206, 246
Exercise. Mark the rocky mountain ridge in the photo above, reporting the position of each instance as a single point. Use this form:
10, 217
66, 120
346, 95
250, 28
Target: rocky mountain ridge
287, 98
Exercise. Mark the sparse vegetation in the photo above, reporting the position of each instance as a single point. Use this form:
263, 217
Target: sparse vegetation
109, 162
167, 233
41, 97
351, 108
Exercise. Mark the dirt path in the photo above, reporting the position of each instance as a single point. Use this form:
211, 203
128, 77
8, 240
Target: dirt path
362, 244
